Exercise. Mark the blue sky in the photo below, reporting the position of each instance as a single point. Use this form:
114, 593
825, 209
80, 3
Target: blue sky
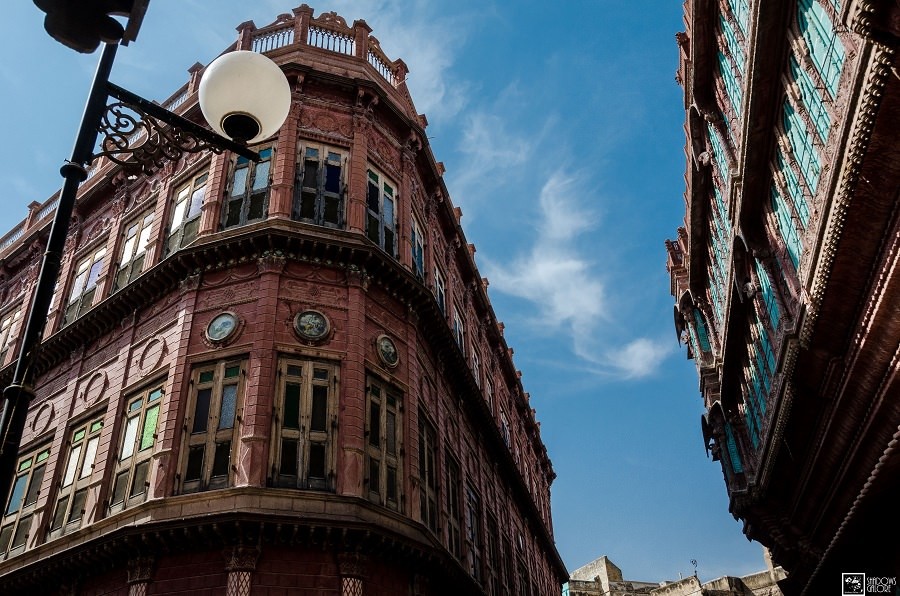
561, 132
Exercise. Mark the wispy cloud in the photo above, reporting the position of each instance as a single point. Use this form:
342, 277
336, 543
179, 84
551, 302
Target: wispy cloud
491, 154
568, 289
428, 41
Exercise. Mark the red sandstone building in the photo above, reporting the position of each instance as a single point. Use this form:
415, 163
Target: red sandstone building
785, 274
276, 377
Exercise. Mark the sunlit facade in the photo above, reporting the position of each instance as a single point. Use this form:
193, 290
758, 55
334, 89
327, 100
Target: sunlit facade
281, 376
784, 273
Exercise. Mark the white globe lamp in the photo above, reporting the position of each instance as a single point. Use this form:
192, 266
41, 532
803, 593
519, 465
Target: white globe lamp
244, 96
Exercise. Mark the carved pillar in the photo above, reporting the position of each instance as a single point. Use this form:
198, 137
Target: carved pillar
359, 158
361, 31
302, 16
240, 566
352, 413
245, 35
140, 572
285, 162
216, 187
352, 567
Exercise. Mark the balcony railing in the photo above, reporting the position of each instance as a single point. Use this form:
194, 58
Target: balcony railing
328, 31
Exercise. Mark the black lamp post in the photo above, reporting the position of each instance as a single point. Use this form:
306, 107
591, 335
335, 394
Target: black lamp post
243, 94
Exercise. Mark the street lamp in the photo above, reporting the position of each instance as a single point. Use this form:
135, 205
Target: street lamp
243, 95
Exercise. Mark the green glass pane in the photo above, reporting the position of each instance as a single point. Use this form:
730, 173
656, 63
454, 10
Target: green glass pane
24, 465
97, 425
232, 371
206, 376
79, 434
42, 456
149, 430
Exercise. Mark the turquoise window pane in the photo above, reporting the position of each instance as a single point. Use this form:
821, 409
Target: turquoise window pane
812, 99
802, 145
731, 40
702, 336
741, 11
795, 190
825, 49
786, 228
718, 152
732, 85
768, 294
733, 455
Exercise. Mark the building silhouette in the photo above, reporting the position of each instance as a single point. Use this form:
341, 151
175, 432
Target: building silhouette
785, 273
602, 577
279, 377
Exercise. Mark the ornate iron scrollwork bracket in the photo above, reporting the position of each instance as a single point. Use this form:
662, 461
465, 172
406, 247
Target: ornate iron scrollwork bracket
141, 135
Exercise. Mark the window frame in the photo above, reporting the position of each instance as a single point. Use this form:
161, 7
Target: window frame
87, 274
474, 534
75, 481
127, 270
417, 248
208, 439
187, 210
440, 291
253, 190
16, 524
10, 326
429, 495
459, 331
383, 449
308, 432
376, 193
454, 511
131, 469
319, 192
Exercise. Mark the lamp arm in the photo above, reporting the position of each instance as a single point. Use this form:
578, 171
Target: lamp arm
144, 141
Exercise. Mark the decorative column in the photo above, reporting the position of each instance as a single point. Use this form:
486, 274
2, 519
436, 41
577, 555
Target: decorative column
140, 572
241, 565
352, 567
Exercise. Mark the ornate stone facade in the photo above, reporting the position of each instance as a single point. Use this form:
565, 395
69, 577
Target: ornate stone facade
785, 272
255, 360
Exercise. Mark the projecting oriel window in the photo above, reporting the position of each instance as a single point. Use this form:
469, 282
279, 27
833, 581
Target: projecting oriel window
320, 188
135, 240
20, 508
247, 199
69, 511
381, 200
383, 444
81, 296
212, 426
185, 222
302, 453
137, 436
